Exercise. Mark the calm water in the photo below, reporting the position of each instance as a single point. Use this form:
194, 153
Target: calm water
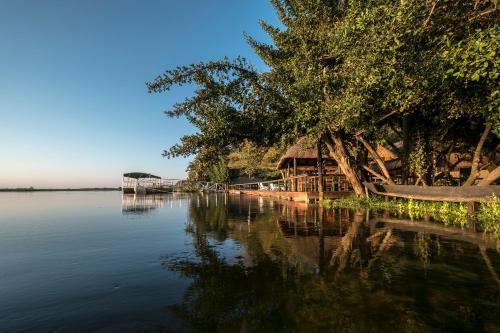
97, 262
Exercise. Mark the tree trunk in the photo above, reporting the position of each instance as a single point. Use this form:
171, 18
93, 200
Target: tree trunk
337, 150
405, 150
474, 171
377, 159
492, 177
320, 170
338, 153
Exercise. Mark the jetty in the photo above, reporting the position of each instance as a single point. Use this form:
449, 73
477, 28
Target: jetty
302, 188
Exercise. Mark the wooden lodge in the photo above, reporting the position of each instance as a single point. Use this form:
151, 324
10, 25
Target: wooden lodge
307, 178
300, 169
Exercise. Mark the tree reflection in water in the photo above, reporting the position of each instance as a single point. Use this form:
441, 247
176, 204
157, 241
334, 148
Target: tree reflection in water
312, 270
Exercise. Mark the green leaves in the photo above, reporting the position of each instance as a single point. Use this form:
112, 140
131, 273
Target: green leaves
218, 171
343, 66
231, 103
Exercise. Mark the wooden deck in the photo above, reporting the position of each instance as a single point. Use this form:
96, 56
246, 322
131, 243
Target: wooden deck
303, 188
307, 197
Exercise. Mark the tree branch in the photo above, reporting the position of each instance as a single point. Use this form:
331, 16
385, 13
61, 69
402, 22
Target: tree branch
398, 133
430, 14
477, 157
492, 177
395, 149
376, 174
377, 159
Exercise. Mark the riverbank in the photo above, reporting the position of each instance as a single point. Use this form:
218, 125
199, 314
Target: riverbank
487, 214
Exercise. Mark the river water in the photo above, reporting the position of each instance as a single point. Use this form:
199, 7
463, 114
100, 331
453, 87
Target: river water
103, 262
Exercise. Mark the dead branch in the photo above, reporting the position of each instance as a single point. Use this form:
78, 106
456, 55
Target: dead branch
430, 14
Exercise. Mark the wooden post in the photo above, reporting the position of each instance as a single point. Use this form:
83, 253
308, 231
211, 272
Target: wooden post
294, 184
471, 215
320, 171
405, 150
288, 185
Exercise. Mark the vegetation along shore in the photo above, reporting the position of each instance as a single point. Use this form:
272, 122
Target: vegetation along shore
487, 215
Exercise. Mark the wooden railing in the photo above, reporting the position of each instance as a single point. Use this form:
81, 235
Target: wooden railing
148, 182
303, 183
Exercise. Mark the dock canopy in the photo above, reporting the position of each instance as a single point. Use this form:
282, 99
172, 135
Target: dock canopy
139, 175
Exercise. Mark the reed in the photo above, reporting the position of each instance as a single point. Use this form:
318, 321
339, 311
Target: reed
448, 213
488, 215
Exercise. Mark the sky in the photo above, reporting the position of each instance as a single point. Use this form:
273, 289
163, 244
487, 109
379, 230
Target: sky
74, 108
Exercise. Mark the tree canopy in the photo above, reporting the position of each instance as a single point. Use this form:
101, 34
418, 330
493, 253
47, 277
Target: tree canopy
354, 74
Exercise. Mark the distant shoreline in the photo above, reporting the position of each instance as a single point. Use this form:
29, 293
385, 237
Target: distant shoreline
30, 189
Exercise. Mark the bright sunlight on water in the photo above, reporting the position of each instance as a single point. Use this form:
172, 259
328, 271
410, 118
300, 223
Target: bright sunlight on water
103, 262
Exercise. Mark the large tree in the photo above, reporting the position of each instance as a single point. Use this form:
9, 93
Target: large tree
354, 74
359, 72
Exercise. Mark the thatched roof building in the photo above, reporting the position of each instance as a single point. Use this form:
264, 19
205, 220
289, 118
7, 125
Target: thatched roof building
305, 154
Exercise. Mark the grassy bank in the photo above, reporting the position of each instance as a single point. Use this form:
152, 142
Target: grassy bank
449, 213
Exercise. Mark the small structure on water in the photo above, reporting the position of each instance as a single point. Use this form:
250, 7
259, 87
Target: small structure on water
146, 183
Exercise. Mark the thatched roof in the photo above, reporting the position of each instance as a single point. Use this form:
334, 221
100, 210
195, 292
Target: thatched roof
385, 153
306, 154
304, 151
140, 175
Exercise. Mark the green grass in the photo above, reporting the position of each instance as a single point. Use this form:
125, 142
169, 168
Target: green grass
449, 213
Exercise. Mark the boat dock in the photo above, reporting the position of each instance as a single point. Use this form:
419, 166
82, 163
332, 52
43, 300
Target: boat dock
146, 183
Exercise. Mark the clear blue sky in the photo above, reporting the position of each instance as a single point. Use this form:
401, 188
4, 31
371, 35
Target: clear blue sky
74, 108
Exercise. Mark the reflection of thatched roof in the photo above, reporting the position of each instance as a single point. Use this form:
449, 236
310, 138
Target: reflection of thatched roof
304, 149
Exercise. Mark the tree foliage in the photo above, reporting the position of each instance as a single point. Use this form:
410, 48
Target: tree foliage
353, 73
230, 104
218, 172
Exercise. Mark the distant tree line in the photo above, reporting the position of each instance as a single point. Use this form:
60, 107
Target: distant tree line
354, 74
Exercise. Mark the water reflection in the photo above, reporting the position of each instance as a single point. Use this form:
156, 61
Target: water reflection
146, 203
303, 269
